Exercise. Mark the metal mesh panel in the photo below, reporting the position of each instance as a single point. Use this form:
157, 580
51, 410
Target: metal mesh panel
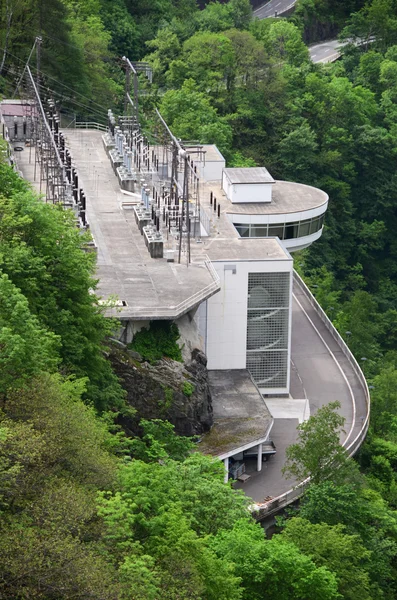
269, 369
268, 290
267, 328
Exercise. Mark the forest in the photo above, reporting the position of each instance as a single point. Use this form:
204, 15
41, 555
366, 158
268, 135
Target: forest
85, 510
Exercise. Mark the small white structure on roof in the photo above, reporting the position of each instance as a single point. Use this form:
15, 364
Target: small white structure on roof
210, 163
253, 184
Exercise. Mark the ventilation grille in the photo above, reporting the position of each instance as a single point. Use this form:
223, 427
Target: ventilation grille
267, 328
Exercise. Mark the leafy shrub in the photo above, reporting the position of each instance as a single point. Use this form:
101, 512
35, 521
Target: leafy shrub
187, 388
158, 341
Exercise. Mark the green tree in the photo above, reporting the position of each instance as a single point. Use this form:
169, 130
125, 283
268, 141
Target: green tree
77, 442
125, 35
297, 153
164, 48
359, 329
166, 511
159, 441
384, 402
215, 17
208, 59
43, 553
375, 20
241, 11
283, 41
331, 547
272, 568
190, 115
26, 348
318, 453
44, 255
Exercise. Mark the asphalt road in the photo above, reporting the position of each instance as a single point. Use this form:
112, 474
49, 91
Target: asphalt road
320, 53
272, 7
325, 52
325, 375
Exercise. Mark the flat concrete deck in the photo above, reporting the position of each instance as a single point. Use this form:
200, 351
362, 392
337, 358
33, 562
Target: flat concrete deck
287, 197
150, 288
146, 288
240, 414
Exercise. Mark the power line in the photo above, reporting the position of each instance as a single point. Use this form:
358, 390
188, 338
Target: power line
72, 90
73, 101
27, 62
70, 45
62, 96
60, 83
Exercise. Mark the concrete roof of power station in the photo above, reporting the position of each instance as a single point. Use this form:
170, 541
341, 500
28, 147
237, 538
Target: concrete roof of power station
212, 154
248, 175
150, 288
247, 249
16, 108
241, 416
287, 197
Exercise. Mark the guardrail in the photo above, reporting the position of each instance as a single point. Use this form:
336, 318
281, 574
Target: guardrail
277, 13
89, 125
355, 444
276, 504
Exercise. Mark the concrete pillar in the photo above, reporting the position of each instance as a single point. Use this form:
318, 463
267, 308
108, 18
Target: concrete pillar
226, 463
259, 459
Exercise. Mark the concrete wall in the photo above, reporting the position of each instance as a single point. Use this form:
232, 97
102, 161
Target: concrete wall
211, 170
226, 319
129, 328
190, 335
251, 192
210, 164
240, 193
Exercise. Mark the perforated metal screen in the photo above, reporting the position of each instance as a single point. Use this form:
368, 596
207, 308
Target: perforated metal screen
267, 328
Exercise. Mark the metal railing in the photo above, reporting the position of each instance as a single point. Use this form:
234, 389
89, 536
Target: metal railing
355, 444
276, 504
89, 125
277, 13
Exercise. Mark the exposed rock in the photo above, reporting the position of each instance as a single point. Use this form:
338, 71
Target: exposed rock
162, 391
135, 355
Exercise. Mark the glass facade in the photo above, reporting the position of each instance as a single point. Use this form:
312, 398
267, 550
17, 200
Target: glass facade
267, 328
284, 231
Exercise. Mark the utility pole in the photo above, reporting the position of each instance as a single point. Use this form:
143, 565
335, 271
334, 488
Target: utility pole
39, 40
127, 86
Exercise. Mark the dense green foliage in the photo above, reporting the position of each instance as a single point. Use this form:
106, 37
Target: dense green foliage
85, 513
157, 342
49, 315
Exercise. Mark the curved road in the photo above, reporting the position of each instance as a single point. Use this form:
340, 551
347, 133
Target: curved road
326, 51
320, 53
273, 8
322, 374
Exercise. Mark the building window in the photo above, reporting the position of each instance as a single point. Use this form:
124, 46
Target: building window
284, 231
276, 231
243, 230
258, 231
267, 328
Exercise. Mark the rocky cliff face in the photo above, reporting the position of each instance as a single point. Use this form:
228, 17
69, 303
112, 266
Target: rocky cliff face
177, 392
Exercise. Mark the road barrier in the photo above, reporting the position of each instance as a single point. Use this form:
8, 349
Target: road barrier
262, 511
